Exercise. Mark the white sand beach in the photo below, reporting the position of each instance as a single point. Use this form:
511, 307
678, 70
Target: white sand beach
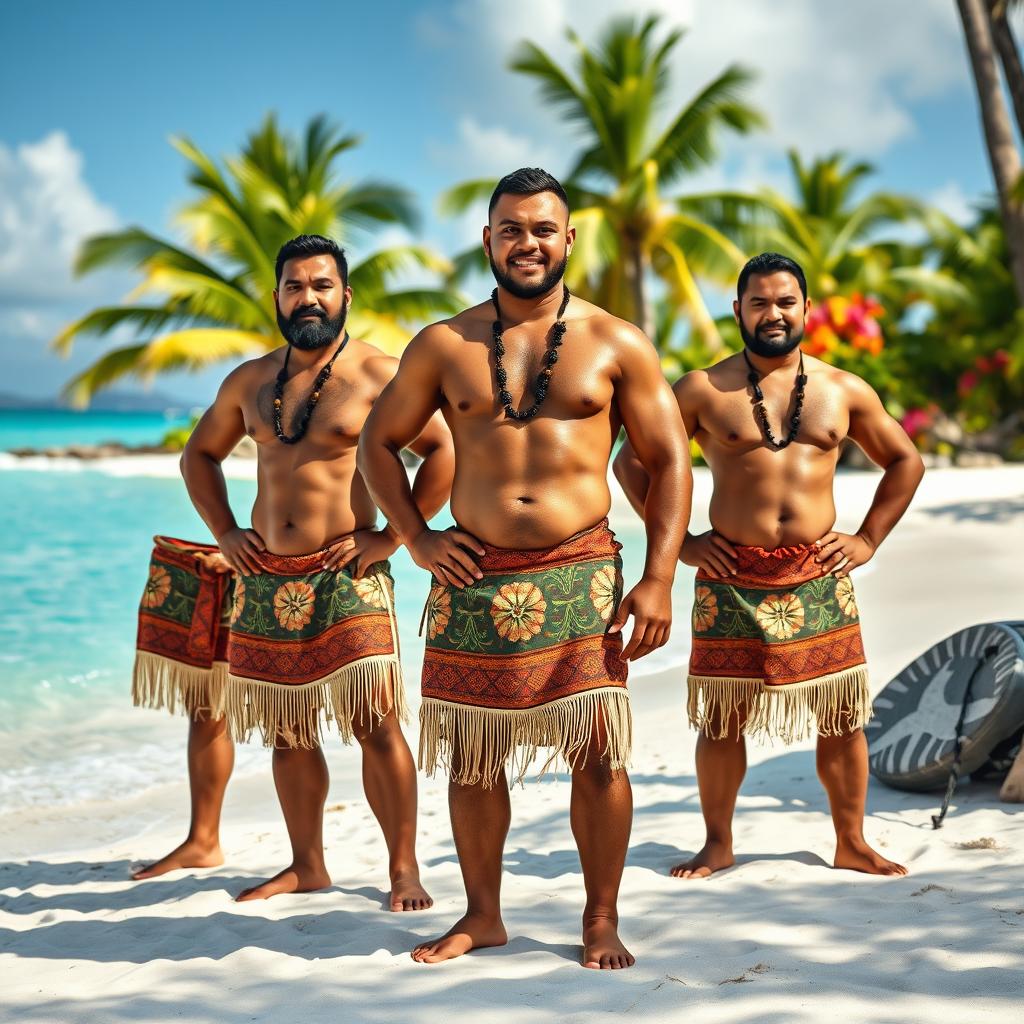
780, 937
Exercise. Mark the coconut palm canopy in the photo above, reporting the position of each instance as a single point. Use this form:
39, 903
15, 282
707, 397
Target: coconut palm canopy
210, 298
628, 230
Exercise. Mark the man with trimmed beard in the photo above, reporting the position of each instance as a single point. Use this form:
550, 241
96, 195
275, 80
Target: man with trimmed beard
306, 602
524, 614
777, 645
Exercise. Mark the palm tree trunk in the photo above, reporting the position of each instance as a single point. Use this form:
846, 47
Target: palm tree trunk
1002, 149
636, 273
1009, 55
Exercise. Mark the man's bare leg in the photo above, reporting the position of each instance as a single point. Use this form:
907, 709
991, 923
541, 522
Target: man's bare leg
480, 820
721, 766
211, 756
601, 814
301, 779
389, 781
843, 770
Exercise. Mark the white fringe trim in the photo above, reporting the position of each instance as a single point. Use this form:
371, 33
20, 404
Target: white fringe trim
159, 682
365, 690
485, 740
836, 704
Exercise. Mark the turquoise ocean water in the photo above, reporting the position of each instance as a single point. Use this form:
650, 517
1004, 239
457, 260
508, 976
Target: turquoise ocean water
46, 428
72, 566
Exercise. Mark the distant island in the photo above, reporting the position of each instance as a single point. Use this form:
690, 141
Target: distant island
106, 401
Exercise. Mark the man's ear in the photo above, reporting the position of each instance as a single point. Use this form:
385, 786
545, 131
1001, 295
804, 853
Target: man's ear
487, 239
736, 310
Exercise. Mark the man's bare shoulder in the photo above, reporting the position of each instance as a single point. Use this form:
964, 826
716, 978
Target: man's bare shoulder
376, 365
858, 393
474, 322
610, 328
254, 371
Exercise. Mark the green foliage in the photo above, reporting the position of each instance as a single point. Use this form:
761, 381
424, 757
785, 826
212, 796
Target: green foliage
212, 298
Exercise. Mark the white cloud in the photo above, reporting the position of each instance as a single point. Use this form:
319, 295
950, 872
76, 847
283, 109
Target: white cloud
951, 199
46, 210
829, 76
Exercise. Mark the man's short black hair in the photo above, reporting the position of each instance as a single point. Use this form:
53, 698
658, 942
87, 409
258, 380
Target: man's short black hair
311, 245
770, 263
527, 181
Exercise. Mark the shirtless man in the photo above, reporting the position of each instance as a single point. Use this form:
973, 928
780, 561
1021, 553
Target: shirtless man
521, 617
310, 498
773, 586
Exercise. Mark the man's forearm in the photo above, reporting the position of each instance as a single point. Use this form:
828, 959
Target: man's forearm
892, 498
432, 484
634, 481
384, 472
208, 490
666, 514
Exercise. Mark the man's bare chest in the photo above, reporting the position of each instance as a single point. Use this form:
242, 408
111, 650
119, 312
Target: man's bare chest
732, 420
580, 385
334, 419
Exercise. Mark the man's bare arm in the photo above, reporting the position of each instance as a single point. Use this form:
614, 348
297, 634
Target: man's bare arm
658, 439
221, 427
400, 416
884, 442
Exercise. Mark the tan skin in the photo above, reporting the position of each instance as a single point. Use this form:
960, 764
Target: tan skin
531, 485
310, 497
772, 498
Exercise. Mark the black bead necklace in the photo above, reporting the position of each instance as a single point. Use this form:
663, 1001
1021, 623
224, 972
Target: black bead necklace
801, 380
314, 395
540, 389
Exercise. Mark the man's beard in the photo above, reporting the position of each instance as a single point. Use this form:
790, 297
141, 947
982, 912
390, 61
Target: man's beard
310, 335
772, 348
529, 291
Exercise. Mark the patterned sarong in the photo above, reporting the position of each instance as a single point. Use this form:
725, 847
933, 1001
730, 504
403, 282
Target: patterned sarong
521, 660
276, 649
184, 616
781, 642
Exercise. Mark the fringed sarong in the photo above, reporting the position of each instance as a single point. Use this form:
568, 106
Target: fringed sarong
184, 617
521, 660
780, 644
273, 651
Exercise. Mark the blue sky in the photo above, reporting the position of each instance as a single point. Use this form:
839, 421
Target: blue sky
91, 93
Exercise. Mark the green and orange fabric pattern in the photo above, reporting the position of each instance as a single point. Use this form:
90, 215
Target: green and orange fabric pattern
274, 650
522, 659
779, 644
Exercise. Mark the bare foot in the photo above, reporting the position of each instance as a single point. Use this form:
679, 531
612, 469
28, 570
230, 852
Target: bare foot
191, 854
407, 893
602, 948
856, 855
292, 879
715, 856
470, 932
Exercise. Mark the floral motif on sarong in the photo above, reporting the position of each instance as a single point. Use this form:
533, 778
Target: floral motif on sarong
293, 604
781, 615
439, 611
705, 609
604, 591
518, 611
158, 586
846, 598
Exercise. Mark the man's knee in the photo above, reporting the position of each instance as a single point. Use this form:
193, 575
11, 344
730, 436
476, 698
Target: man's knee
376, 733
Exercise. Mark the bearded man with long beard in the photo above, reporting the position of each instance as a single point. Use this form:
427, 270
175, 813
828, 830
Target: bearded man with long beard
777, 645
300, 621
523, 646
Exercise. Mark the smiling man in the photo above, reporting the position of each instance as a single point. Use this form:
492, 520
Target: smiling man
776, 633
310, 605
523, 619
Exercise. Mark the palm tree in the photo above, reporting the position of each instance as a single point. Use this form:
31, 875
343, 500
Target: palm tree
628, 230
1009, 54
210, 298
835, 237
1003, 155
